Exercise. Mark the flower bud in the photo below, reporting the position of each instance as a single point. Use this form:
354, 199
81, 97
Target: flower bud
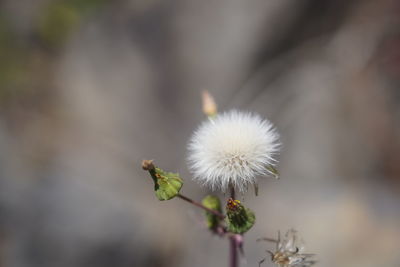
147, 165
212, 202
239, 218
166, 184
209, 105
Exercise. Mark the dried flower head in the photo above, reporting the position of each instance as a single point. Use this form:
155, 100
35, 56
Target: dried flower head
232, 149
289, 251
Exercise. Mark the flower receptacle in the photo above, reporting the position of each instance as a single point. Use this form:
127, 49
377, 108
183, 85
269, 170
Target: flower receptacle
239, 218
166, 184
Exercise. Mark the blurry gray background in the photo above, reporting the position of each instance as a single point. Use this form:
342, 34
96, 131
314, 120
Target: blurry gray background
89, 88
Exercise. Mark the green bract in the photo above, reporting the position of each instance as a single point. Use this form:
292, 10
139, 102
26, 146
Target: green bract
212, 202
272, 170
166, 184
239, 218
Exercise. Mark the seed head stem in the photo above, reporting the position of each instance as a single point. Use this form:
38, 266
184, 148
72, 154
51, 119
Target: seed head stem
233, 261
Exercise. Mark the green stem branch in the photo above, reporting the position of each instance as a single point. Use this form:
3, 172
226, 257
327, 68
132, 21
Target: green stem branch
197, 204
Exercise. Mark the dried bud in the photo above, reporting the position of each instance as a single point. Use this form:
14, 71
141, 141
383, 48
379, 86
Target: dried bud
209, 105
212, 202
239, 218
147, 165
166, 184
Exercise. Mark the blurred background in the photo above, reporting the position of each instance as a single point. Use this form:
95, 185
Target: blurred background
89, 88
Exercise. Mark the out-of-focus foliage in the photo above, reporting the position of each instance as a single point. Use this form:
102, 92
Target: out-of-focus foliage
20, 53
13, 63
60, 18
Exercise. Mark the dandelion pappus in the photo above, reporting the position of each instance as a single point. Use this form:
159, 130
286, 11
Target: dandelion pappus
288, 252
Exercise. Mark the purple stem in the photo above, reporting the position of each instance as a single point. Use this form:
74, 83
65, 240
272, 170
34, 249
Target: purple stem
197, 204
233, 258
233, 262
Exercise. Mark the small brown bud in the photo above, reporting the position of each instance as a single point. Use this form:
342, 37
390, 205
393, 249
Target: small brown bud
209, 105
147, 165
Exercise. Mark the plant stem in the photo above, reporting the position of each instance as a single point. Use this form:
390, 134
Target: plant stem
233, 259
232, 191
197, 204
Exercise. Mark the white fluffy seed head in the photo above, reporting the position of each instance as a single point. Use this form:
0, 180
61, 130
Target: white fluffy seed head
232, 148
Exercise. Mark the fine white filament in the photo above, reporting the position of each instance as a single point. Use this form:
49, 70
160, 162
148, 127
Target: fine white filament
232, 149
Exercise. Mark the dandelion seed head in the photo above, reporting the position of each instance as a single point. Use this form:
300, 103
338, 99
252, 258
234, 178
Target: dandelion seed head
290, 252
232, 148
